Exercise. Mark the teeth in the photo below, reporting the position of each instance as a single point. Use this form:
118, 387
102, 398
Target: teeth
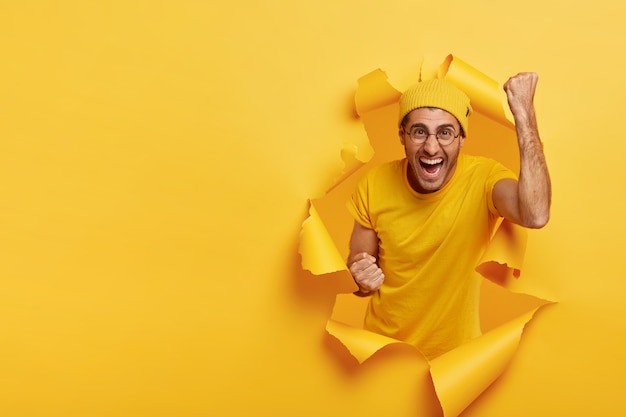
431, 161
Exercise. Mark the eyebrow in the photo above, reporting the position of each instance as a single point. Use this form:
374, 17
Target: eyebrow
422, 125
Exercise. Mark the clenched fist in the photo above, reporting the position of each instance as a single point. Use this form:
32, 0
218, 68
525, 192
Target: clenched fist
366, 273
520, 93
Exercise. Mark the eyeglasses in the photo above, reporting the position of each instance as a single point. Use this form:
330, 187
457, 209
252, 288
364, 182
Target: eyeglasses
445, 136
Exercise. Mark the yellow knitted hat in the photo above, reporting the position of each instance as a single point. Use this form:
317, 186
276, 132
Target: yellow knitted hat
437, 93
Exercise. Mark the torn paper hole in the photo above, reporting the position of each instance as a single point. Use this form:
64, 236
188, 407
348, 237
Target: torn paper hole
325, 233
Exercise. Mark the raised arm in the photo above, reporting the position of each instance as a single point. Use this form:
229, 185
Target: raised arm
363, 260
526, 202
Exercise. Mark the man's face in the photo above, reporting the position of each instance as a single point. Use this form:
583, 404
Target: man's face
431, 164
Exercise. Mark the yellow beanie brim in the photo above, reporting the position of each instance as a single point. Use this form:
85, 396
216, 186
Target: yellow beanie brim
440, 94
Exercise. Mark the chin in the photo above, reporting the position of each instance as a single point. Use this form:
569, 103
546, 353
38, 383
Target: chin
430, 187
426, 186
430, 184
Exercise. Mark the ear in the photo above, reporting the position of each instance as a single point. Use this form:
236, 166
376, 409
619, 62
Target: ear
401, 135
461, 141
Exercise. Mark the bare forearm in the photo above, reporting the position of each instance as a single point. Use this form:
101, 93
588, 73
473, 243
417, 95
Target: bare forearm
363, 262
534, 187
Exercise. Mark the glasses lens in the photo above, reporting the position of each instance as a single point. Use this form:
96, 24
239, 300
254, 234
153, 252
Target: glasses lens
445, 136
418, 135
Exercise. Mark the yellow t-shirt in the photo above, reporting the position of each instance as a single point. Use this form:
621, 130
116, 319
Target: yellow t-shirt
429, 246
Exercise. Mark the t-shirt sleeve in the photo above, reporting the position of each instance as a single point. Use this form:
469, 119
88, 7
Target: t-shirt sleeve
498, 172
358, 205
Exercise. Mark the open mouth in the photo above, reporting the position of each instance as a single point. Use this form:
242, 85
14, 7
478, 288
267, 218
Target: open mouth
431, 167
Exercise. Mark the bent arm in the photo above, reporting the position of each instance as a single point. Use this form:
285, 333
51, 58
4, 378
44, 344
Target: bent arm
527, 201
363, 260
362, 240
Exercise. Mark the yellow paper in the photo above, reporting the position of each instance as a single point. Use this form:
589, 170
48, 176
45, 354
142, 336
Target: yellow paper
156, 162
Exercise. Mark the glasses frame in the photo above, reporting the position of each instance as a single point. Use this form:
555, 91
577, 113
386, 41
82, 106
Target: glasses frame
428, 135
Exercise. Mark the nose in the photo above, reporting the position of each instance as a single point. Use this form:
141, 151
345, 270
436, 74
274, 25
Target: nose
431, 146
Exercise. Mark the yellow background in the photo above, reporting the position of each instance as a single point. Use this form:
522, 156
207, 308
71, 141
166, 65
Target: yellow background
155, 164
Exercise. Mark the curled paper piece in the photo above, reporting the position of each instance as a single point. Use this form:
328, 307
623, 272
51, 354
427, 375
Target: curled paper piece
484, 93
481, 360
346, 324
462, 374
319, 253
374, 92
362, 344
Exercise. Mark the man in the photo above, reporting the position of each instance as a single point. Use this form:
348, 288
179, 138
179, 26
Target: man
423, 222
